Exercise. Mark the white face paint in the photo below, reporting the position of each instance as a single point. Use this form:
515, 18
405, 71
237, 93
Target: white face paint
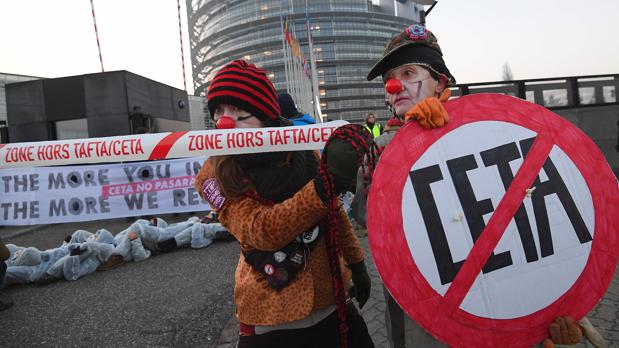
417, 85
242, 118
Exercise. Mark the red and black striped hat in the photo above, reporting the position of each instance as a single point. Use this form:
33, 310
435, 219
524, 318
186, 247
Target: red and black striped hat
245, 86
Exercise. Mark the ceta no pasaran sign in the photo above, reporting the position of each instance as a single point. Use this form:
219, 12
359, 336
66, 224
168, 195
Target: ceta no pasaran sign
486, 230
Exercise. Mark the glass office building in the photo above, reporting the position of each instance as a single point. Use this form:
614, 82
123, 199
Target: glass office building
348, 37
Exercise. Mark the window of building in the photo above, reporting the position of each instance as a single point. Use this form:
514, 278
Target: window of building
165, 125
71, 129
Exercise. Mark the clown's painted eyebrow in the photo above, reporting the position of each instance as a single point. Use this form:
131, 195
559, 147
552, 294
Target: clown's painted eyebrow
243, 118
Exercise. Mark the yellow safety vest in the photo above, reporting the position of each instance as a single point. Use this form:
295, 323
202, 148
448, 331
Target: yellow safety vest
375, 130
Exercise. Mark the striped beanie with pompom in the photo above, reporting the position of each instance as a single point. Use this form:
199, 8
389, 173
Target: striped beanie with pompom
245, 86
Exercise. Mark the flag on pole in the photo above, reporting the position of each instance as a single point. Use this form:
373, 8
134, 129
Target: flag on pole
298, 70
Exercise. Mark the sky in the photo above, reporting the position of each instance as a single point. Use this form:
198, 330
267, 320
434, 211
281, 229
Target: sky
536, 38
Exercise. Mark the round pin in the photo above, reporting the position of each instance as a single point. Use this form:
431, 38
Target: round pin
279, 256
269, 269
310, 236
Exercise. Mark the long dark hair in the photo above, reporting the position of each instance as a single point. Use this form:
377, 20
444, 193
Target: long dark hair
232, 182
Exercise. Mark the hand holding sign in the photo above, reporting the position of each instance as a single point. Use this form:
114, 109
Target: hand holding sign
502, 274
565, 331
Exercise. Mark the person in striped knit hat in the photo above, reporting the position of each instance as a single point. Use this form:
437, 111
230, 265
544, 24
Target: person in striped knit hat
298, 250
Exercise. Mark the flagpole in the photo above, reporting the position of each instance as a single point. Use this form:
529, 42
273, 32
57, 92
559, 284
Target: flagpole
284, 47
180, 34
94, 20
314, 75
293, 44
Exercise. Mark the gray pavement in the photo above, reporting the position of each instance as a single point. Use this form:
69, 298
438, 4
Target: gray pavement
179, 299
605, 316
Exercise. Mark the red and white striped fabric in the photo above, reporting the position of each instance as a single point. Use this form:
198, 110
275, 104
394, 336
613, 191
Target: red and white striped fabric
158, 146
94, 20
180, 33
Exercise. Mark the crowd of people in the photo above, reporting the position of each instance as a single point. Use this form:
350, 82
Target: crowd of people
301, 263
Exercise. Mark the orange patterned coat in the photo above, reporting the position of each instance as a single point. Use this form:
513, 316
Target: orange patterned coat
269, 228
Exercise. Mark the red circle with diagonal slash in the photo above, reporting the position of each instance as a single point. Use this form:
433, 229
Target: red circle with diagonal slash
441, 315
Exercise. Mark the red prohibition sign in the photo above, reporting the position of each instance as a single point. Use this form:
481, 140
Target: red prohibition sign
442, 314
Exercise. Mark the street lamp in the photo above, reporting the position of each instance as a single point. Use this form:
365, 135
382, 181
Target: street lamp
425, 13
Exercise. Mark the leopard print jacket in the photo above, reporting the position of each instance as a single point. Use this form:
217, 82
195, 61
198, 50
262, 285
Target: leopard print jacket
269, 228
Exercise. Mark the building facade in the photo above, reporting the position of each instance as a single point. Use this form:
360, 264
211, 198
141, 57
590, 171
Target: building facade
348, 37
4, 80
93, 105
199, 117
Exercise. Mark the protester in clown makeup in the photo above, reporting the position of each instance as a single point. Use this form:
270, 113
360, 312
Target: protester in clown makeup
290, 283
417, 83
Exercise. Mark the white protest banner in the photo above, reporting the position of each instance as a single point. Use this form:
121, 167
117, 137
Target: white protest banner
487, 229
143, 147
42, 195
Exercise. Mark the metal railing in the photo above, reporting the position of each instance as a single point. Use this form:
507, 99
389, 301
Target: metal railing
553, 93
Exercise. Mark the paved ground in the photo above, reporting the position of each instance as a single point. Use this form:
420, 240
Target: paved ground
605, 317
180, 299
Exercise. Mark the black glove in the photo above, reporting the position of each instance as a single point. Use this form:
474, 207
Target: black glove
362, 285
342, 163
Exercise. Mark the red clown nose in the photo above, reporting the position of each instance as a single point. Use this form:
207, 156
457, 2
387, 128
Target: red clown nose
393, 86
225, 122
